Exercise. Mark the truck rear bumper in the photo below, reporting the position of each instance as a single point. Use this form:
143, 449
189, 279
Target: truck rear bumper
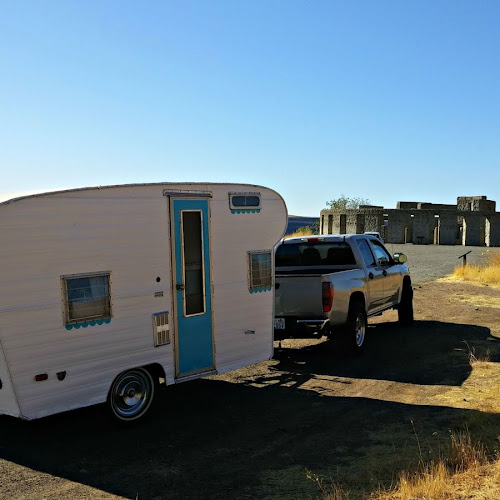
296, 328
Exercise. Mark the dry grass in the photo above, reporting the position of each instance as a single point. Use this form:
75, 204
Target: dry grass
488, 274
438, 483
302, 231
466, 473
331, 492
478, 480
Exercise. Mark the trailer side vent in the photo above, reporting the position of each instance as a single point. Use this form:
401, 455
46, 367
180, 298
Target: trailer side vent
161, 328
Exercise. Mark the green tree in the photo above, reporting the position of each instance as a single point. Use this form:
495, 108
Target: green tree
345, 202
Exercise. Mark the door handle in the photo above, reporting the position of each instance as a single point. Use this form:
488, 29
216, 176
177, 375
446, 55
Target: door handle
370, 276
384, 272
180, 286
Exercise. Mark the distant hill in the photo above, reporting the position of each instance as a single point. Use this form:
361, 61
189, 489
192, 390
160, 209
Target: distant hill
296, 221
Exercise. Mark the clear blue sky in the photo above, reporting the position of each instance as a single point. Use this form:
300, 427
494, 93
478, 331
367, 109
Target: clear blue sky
385, 100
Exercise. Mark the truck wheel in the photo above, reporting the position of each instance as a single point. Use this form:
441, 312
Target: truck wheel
355, 329
405, 308
131, 395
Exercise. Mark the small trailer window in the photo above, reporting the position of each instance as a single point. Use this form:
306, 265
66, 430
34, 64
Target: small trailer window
260, 271
87, 298
244, 201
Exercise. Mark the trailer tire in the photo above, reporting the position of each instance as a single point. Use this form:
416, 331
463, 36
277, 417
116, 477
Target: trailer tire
131, 395
405, 308
353, 334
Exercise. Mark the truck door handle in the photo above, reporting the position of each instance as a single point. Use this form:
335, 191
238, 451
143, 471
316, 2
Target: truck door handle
180, 286
370, 276
384, 272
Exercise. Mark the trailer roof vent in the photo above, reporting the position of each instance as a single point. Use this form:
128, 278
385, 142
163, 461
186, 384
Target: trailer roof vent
161, 328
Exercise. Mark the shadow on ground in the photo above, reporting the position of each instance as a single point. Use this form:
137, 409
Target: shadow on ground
426, 353
216, 439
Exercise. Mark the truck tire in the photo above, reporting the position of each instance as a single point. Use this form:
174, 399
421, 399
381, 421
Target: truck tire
354, 333
405, 308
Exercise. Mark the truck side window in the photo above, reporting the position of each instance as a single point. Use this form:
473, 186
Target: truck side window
383, 258
366, 253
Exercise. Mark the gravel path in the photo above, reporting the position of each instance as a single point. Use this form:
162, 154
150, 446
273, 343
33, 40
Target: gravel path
428, 262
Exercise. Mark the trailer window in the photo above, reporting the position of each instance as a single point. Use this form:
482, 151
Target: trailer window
87, 298
260, 276
244, 202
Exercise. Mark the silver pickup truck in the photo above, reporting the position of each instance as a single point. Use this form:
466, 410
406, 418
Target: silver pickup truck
330, 284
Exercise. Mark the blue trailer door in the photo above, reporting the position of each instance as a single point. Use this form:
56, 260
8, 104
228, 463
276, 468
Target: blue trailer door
192, 283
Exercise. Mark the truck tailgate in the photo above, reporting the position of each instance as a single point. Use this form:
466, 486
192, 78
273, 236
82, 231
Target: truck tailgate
298, 295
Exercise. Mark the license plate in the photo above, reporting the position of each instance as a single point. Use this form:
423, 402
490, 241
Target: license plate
279, 323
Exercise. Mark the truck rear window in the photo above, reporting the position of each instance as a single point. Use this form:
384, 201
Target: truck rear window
321, 253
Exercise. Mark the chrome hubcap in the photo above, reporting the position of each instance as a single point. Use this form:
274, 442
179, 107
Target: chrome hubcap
131, 394
360, 329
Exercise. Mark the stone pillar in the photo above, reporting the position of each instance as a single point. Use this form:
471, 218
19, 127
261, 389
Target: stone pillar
447, 229
330, 223
360, 223
472, 230
351, 220
335, 224
342, 223
423, 227
493, 230
374, 222
397, 222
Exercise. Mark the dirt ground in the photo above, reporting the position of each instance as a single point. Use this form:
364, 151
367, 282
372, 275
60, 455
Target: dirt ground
289, 427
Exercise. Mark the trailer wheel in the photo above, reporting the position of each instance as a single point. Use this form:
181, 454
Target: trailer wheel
131, 395
354, 332
405, 308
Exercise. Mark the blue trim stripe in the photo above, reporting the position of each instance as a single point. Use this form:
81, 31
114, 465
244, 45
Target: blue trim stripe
259, 290
244, 211
85, 324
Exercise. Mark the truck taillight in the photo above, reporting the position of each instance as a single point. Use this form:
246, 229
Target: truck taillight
327, 294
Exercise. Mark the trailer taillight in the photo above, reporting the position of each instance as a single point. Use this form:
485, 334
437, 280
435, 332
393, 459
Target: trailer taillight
327, 294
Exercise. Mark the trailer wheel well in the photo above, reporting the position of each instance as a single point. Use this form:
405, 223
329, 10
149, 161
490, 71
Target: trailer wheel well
156, 371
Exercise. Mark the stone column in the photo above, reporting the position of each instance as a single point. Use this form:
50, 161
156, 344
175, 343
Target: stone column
374, 222
447, 229
330, 224
472, 234
423, 227
493, 230
351, 223
360, 223
398, 221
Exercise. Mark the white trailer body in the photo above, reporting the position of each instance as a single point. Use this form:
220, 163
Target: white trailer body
176, 278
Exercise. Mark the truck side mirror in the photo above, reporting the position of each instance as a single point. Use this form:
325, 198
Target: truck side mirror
382, 261
400, 258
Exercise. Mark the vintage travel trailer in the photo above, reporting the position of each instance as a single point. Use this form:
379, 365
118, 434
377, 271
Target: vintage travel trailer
107, 291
